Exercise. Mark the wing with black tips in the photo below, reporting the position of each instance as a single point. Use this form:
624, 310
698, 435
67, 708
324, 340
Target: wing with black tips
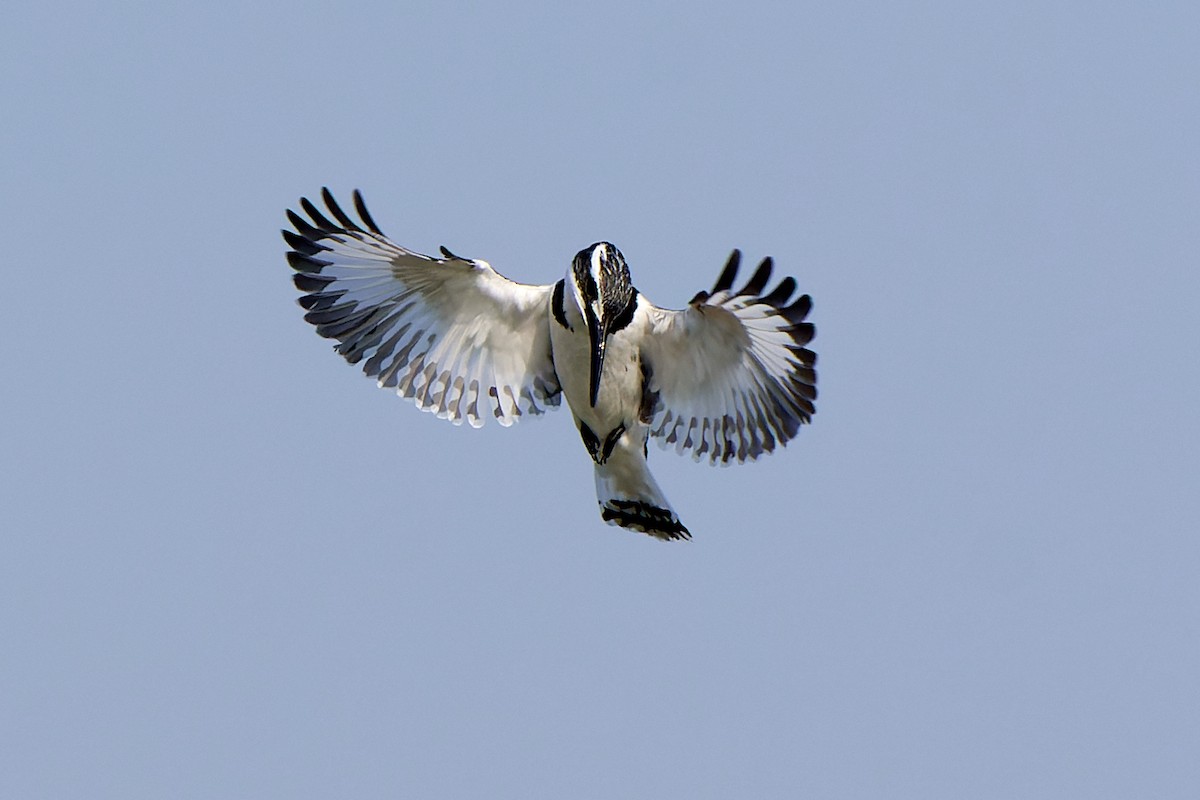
452, 334
731, 377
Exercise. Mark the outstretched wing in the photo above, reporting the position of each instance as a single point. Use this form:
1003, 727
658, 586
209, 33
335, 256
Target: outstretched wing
730, 377
450, 333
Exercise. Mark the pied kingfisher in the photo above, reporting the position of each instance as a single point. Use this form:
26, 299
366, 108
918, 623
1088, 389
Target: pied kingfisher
727, 378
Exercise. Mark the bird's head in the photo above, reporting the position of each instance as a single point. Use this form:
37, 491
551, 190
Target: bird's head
606, 299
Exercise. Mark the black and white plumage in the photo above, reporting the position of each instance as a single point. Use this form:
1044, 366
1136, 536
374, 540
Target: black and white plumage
727, 379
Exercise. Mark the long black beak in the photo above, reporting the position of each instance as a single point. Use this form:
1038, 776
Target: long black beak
598, 333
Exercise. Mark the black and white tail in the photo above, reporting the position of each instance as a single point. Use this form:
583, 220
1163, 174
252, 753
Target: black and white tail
630, 497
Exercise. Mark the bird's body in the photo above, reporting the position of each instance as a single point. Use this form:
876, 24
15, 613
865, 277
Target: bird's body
727, 378
614, 428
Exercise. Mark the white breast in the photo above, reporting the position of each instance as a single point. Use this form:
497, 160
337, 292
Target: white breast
620, 392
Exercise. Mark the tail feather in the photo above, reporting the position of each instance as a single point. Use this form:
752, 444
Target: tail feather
630, 497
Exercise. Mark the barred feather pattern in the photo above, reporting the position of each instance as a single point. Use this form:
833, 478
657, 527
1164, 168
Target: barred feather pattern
451, 334
731, 376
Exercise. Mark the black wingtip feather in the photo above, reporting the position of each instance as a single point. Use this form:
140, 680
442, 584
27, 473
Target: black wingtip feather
781, 293
301, 244
305, 263
319, 302
320, 220
308, 282
806, 390
334, 315
798, 310
761, 276
803, 333
337, 212
360, 206
725, 281
304, 227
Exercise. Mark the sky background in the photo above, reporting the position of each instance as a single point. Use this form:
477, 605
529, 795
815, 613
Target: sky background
232, 567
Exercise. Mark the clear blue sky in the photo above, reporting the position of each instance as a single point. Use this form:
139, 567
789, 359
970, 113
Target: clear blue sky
232, 567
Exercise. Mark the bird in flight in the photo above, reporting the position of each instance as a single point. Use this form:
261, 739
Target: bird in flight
728, 378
